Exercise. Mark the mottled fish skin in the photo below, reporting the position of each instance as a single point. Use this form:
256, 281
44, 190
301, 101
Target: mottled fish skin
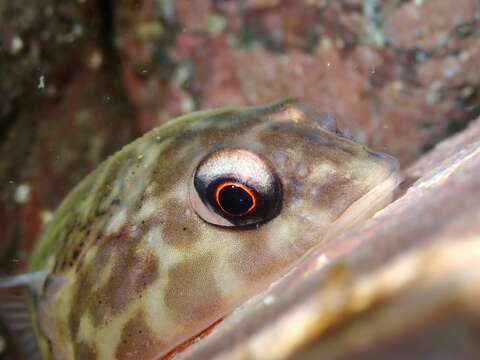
134, 271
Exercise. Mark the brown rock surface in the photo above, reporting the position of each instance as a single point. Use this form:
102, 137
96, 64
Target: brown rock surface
402, 72
62, 111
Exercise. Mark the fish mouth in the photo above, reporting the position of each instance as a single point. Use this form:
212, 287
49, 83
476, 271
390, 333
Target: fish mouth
370, 203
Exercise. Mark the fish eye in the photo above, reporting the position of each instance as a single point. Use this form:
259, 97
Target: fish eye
235, 187
234, 198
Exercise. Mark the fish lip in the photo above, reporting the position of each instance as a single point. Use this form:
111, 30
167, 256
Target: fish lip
394, 163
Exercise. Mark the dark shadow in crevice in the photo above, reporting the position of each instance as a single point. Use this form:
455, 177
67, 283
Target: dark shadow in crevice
106, 29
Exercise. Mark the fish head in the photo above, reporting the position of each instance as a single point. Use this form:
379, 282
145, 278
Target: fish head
170, 234
249, 192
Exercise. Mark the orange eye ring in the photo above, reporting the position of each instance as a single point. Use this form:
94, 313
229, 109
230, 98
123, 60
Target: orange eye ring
235, 184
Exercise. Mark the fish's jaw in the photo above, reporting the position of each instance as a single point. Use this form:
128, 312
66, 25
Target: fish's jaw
367, 206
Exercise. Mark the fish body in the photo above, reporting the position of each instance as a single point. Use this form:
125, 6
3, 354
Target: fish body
172, 232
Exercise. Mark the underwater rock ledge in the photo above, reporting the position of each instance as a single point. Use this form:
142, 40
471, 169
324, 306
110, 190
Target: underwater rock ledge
405, 284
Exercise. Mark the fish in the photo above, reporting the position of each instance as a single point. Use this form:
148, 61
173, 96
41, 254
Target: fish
170, 234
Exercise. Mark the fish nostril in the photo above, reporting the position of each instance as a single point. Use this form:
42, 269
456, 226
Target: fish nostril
326, 120
329, 121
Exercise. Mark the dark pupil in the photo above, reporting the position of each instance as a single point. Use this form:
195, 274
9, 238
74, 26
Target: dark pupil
235, 200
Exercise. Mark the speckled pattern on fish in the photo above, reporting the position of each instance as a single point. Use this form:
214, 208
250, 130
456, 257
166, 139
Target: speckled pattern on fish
133, 268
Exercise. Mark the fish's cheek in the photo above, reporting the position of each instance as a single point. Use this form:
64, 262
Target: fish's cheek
255, 264
260, 255
137, 341
192, 293
85, 352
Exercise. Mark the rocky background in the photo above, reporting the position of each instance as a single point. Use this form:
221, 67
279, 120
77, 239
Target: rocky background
79, 79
